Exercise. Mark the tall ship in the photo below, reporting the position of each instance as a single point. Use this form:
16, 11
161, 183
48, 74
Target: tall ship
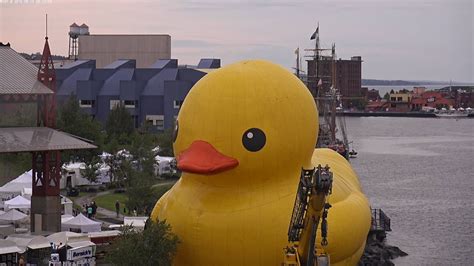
321, 80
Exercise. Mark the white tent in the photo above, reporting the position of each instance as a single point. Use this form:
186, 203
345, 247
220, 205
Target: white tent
82, 223
29, 241
17, 202
66, 217
66, 237
27, 192
163, 164
13, 216
72, 175
8, 246
16, 186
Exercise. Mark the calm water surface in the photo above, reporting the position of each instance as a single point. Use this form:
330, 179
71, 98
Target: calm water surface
420, 171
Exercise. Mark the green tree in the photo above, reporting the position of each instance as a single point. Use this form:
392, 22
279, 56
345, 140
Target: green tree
72, 120
156, 246
120, 168
141, 149
119, 124
387, 96
165, 142
91, 170
140, 193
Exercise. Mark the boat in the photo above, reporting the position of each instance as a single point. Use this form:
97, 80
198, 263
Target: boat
452, 115
332, 127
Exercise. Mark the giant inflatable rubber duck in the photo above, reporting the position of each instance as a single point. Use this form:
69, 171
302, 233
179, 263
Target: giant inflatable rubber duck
242, 136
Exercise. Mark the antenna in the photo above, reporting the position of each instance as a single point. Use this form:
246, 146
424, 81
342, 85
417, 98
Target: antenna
46, 26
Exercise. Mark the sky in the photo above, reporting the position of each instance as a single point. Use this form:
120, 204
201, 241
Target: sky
397, 39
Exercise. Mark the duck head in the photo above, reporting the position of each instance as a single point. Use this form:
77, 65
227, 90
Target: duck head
251, 121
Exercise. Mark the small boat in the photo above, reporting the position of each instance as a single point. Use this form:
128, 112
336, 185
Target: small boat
452, 115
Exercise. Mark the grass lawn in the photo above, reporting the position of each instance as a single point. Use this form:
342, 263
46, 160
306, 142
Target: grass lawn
107, 201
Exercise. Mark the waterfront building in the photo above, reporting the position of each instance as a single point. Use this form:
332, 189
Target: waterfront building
400, 101
348, 80
377, 106
152, 95
418, 90
463, 96
432, 99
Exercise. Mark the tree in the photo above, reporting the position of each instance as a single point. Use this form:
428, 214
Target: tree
119, 124
141, 149
165, 142
156, 245
91, 170
140, 193
120, 168
72, 120
387, 96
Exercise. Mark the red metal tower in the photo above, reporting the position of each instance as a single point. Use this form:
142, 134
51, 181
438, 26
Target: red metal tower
46, 205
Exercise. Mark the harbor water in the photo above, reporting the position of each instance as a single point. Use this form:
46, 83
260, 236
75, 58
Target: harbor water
420, 171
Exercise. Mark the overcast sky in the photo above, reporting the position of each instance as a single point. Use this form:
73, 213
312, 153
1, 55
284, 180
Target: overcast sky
397, 39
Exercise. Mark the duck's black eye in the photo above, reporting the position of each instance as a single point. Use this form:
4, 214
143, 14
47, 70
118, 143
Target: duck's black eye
175, 131
254, 139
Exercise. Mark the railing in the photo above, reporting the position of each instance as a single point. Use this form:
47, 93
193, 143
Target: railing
380, 221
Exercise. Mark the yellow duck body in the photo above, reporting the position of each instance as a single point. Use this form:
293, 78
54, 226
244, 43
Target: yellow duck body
234, 208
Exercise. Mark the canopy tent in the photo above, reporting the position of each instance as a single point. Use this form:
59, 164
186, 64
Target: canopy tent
66, 217
17, 202
66, 237
163, 164
82, 223
16, 186
8, 246
72, 175
13, 216
30, 241
27, 192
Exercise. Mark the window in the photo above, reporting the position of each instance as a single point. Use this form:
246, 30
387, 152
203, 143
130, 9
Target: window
399, 99
86, 103
129, 104
156, 120
177, 104
393, 99
114, 103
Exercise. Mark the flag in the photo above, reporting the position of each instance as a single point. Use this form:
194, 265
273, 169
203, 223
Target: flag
320, 83
297, 51
314, 34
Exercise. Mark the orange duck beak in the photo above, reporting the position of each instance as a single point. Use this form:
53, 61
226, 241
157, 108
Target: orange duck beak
202, 158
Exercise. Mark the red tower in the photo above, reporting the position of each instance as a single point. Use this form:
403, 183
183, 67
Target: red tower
45, 200
18, 84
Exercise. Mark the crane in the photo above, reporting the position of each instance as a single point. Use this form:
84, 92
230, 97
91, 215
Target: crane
309, 211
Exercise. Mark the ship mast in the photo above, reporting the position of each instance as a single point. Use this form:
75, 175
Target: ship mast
333, 93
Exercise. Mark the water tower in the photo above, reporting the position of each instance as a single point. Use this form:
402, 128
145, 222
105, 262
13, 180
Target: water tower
74, 32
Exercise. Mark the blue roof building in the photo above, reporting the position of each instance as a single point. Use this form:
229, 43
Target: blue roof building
152, 95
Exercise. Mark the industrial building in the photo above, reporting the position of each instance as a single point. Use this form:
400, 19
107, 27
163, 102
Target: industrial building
153, 94
105, 49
